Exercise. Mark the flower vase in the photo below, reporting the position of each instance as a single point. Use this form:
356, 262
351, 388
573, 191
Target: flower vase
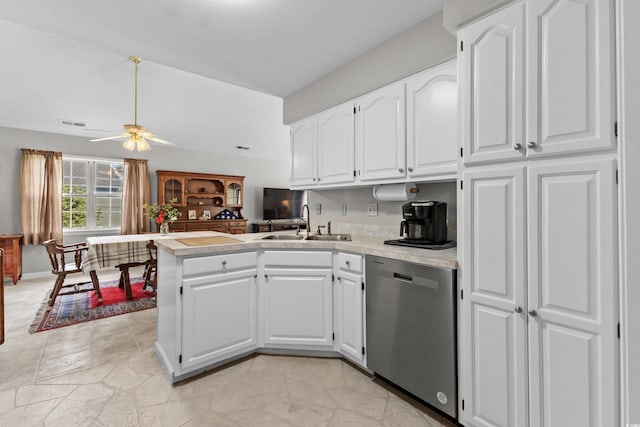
164, 229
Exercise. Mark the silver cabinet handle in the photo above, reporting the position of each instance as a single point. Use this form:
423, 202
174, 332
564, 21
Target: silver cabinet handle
314, 180
339, 278
348, 263
318, 179
532, 313
518, 309
531, 144
255, 276
266, 277
401, 170
517, 146
410, 169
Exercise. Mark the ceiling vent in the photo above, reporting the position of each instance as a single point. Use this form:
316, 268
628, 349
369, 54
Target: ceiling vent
72, 123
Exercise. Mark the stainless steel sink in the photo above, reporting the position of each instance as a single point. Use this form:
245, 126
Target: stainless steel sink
332, 237
283, 237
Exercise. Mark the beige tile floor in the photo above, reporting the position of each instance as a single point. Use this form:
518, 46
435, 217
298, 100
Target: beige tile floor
104, 373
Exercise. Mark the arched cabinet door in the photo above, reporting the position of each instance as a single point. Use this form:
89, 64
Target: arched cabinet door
380, 134
432, 122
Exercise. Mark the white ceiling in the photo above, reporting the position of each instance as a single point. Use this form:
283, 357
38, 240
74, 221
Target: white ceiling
67, 59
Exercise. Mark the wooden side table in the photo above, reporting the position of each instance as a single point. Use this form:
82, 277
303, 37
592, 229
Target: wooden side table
12, 246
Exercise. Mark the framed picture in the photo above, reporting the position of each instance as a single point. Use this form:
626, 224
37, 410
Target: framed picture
206, 214
192, 214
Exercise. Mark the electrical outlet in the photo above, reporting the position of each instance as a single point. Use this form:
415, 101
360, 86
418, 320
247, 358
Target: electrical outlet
318, 209
372, 209
344, 209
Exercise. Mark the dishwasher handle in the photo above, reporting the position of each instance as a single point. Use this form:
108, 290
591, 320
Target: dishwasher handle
403, 277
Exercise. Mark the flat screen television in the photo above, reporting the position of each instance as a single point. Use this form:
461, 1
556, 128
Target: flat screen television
281, 203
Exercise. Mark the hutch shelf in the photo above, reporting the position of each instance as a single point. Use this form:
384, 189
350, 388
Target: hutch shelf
206, 201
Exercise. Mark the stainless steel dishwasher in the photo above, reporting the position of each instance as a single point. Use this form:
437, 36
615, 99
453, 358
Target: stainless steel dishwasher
411, 329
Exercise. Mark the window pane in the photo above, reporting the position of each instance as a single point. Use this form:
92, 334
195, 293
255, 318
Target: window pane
103, 185
79, 168
76, 186
116, 218
78, 208
92, 183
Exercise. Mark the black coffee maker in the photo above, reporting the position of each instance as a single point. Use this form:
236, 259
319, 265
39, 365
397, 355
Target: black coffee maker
424, 222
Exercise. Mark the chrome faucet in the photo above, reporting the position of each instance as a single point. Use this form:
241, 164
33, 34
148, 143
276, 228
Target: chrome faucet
308, 220
329, 228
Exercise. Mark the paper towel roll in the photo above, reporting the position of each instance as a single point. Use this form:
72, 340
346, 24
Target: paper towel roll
395, 192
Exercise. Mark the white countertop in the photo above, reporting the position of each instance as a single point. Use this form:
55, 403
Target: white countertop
365, 245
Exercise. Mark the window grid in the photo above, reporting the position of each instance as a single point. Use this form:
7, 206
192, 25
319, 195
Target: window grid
92, 194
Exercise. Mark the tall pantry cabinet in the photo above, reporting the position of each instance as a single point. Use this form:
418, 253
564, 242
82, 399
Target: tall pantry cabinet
538, 185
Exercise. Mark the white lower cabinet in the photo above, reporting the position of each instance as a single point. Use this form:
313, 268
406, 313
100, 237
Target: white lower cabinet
540, 301
298, 299
218, 317
349, 303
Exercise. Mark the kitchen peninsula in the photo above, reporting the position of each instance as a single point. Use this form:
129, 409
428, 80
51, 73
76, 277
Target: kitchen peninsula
219, 302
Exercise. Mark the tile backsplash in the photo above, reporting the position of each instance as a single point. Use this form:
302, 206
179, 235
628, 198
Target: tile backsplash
387, 223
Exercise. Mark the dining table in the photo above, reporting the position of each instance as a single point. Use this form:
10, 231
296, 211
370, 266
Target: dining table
124, 251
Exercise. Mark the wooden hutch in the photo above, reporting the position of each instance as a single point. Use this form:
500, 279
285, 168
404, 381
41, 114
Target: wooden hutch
206, 196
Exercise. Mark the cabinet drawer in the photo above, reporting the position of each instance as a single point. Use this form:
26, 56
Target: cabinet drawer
350, 262
297, 259
219, 263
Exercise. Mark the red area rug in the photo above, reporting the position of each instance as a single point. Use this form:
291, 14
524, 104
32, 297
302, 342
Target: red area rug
78, 308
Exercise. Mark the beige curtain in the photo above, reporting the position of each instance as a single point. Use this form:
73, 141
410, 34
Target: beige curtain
137, 192
41, 196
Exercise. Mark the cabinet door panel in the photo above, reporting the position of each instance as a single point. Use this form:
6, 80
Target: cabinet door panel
380, 133
571, 76
303, 152
572, 272
493, 282
218, 317
299, 306
492, 71
349, 316
336, 145
432, 122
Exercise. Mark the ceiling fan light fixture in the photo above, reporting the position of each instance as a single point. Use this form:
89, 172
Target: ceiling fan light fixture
130, 144
142, 145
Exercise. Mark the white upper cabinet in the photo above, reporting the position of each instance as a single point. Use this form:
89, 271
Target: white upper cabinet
570, 79
336, 145
380, 134
432, 122
303, 152
492, 72
569, 101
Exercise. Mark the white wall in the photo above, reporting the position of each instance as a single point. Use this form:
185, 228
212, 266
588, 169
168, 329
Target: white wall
387, 223
422, 46
259, 173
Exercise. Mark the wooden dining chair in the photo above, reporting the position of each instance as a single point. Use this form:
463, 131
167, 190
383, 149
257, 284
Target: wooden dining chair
151, 269
149, 275
65, 260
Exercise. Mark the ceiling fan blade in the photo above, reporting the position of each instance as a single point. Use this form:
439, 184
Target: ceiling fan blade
109, 138
160, 141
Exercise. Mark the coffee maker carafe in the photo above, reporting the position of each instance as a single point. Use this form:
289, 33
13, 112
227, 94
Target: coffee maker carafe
425, 221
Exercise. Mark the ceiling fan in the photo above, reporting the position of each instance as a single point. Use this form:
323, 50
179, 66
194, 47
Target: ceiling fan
136, 135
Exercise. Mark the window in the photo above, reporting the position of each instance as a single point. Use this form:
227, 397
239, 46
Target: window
91, 193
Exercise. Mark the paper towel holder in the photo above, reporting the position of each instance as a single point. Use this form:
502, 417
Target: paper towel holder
395, 192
